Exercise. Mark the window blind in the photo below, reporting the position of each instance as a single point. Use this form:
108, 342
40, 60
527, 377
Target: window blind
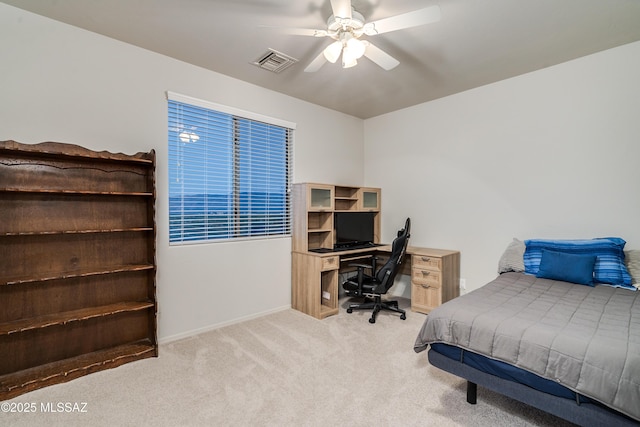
229, 175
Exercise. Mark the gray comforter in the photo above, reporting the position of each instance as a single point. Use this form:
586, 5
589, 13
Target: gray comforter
586, 338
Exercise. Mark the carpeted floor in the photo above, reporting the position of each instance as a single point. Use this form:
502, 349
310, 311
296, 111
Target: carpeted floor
283, 369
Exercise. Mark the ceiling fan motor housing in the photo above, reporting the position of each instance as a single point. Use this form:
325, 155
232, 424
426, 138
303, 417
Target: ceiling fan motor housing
336, 24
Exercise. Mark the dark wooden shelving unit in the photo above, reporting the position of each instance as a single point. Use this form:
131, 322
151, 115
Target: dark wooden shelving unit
77, 263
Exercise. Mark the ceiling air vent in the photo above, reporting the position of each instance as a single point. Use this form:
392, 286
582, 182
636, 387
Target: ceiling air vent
274, 61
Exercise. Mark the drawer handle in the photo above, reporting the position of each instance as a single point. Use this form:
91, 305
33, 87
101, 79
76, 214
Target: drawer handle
426, 286
425, 259
426, 273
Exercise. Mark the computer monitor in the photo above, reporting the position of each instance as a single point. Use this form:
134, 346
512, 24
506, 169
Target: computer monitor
354, 228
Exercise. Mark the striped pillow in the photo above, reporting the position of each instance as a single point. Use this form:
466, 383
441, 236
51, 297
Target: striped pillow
609, 269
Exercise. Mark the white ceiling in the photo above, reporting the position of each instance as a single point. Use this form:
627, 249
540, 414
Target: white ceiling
477, 41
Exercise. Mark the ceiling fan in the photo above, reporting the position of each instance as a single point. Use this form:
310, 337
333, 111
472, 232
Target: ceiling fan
346, 26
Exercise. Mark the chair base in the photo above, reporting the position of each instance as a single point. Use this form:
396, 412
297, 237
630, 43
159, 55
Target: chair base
377, 305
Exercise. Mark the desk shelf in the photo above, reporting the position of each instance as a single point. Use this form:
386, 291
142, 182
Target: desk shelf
314, 206
329, 294
322, 221
347, 198
326, 311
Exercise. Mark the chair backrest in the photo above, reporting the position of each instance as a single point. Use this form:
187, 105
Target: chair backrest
387, 273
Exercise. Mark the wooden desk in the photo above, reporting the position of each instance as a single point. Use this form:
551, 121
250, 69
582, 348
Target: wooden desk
435, 276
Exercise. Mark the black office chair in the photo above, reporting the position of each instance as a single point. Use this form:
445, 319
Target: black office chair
372, 287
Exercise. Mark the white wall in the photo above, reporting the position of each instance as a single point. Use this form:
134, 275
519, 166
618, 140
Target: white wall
550, 154
60, 83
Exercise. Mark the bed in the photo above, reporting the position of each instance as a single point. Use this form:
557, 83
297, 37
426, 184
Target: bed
540, 335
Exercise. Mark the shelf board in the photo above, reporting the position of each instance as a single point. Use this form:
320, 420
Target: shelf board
78, 192
63, 318
57, 150
44, 233
319, 230
16, 383
68, 275
327, 311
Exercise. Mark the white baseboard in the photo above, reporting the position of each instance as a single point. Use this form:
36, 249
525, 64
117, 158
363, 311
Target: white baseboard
193, 332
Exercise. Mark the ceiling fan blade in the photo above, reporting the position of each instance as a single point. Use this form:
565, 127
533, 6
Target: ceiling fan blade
341, 8
298, 31
305, 32
380, 57
424, 16
316, 63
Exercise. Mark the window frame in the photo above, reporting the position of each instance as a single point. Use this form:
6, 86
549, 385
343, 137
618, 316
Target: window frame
235, 233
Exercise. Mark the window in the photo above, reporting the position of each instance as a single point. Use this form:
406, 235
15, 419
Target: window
229, 173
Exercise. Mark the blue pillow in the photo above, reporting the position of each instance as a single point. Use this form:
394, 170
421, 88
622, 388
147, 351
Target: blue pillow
572, 268
609, 268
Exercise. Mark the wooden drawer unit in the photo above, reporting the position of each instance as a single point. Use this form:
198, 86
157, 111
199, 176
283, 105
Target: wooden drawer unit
330, 263
426, 262
426, 277
425, 298
435, 275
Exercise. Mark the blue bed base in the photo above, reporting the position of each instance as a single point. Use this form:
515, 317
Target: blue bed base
523, 386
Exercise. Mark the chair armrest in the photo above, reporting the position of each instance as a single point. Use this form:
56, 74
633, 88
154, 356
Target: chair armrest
361, 265
360, 277
372, 266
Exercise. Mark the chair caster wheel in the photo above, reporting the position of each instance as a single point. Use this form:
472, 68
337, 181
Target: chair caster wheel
349, 310
372, 320
403, 317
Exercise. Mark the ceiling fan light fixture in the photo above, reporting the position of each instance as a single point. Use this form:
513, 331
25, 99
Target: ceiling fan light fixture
332, 52
355, 48
348, 62
349, 58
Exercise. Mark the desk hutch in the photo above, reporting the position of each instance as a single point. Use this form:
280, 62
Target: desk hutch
434, 273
